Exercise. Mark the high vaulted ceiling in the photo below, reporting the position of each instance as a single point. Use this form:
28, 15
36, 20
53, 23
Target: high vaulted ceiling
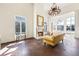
65, 7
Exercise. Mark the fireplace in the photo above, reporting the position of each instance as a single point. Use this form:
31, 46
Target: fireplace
40, 33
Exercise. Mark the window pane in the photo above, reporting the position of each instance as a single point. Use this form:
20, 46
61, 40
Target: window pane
72, 27
68, 28
70, 24
68, 21
73, 21
45, 27
17, 28
60, 25
23, 26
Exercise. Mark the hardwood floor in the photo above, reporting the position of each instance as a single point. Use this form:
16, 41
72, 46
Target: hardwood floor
33, 47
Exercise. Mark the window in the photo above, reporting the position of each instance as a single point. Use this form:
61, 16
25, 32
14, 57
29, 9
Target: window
52, 26
20, 27
45, 27
60, 25
70, 24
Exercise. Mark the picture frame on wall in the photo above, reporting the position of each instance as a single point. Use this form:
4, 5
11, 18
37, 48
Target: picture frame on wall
40, 20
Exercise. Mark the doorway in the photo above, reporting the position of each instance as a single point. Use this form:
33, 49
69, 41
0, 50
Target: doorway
20, 27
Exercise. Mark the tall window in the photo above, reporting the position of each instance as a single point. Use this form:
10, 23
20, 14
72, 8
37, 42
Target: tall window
52, 26
70, 23
20, 27
60, 25
45, 27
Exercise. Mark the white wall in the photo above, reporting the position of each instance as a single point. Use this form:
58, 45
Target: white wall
77, 24
7, 21
38, 10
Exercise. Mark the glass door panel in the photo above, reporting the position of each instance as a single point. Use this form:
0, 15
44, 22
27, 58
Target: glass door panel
20, 28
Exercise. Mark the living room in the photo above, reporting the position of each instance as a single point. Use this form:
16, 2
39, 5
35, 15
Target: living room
24, 29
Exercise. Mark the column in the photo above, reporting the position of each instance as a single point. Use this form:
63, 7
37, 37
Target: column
77, 24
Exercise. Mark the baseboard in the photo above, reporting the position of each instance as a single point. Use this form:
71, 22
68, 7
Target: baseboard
9, 42
18, 40
30, 38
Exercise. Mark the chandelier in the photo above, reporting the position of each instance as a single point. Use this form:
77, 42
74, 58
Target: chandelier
54, 10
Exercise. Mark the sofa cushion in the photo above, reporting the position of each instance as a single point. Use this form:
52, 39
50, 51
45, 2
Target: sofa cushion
50, 38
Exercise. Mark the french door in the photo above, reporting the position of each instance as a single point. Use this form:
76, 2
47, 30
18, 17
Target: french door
20, 28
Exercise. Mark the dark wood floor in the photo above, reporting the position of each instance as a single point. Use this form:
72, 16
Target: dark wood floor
33, 47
